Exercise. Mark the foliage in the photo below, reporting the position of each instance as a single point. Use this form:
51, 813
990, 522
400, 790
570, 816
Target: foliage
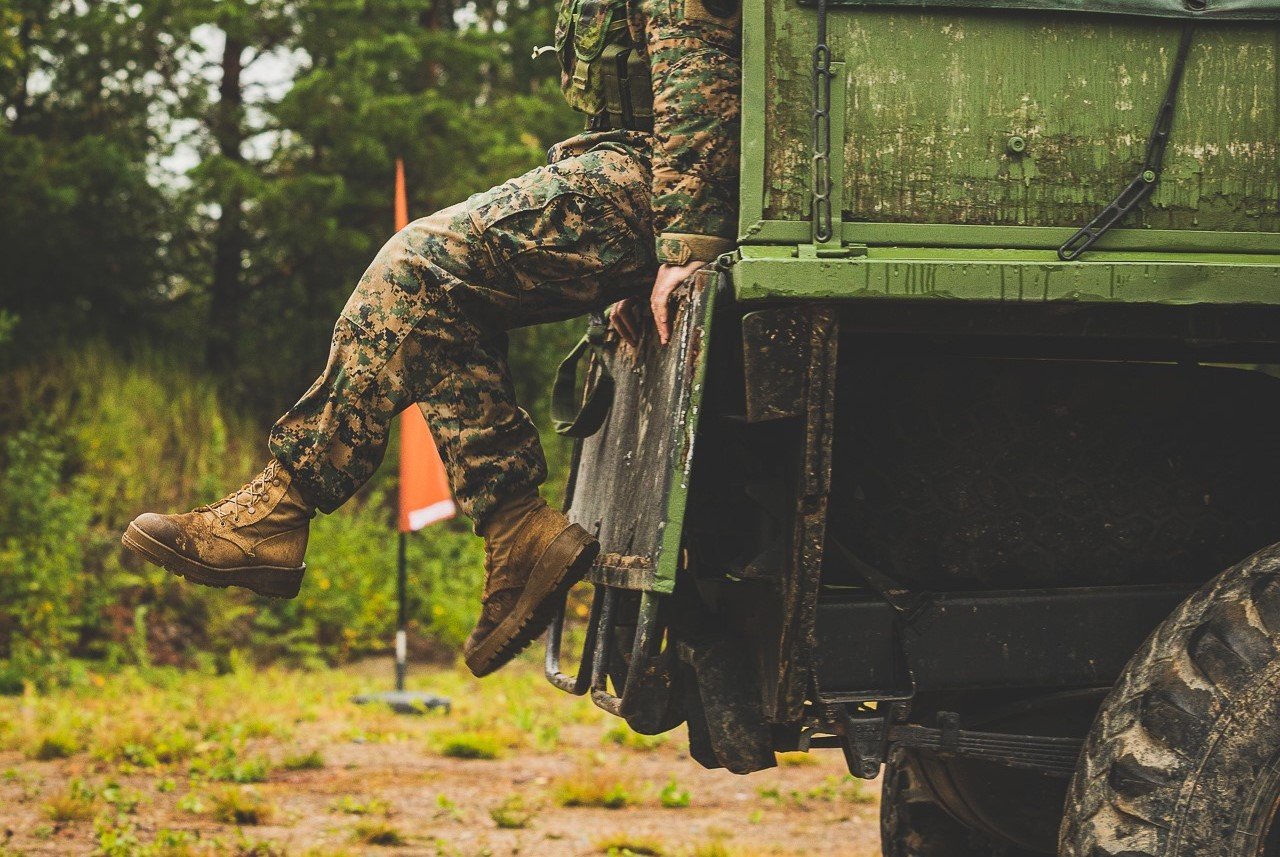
512, 813
309, 761
241, 806
375, 832
626, 845
217, 173
472, 745
593, 788
624, 736
200, 185
75, 803
105, 438
673, 796
42, 521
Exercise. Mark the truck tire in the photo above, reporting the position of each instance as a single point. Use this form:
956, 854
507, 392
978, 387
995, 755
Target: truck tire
914, 824
1183, 759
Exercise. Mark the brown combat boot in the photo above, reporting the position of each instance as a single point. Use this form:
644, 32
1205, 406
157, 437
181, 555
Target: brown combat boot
254, 537
533, 556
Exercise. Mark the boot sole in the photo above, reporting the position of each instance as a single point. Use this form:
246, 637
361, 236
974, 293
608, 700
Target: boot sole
271, 581
547, 586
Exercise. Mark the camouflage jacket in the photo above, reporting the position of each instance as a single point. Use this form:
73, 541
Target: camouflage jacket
693, 49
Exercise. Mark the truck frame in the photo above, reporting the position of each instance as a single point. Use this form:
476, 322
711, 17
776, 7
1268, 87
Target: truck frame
945, 462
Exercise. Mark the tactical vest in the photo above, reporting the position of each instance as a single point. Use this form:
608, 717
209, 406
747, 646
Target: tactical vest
604, 75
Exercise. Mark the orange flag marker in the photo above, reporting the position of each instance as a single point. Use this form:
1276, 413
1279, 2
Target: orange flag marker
424, 485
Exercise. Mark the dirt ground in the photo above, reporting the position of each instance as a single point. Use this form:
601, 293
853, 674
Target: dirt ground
168, 764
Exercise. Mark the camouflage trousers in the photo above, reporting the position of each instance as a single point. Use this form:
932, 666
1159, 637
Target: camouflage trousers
427, 323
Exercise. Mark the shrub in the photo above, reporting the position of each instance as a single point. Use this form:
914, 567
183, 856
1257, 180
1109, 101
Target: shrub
55, 745
356, 806
252, 770
75, 803
310, 761
625, 845
511, 814
592, 788
44, 518
674, 797
241, 806
377, 833
93, 440
471, 745
622, 735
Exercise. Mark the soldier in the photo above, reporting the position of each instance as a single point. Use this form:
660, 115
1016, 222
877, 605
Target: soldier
638, 202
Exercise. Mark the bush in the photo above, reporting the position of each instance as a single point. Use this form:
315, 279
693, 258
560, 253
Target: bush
241, 806
593, 788
44, 518
472, 745
97, 439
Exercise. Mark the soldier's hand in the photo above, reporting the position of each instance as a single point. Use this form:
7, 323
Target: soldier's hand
669, 276
624, 317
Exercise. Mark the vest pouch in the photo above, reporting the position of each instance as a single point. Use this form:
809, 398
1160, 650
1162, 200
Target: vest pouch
583, 30
628, 88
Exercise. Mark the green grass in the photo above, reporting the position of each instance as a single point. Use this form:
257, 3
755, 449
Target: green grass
621, 735
309, 761
593, 788
352, 805
371, 832
59, 744
252, 770
512, 813
241, 806
626, 845
472, 745
673, 796
94, 438
75, 803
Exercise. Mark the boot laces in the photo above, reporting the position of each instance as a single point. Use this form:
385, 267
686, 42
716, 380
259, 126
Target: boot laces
246, 497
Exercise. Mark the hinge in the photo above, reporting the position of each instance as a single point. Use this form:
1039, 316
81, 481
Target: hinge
830, 251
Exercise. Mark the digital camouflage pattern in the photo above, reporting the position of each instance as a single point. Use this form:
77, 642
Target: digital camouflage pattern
427, 323
693, 49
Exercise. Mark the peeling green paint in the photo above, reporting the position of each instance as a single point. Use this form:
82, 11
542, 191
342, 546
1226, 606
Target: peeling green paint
1008, 276
933, 99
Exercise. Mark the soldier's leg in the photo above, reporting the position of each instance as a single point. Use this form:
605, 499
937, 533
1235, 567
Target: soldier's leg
404, 337
425, 325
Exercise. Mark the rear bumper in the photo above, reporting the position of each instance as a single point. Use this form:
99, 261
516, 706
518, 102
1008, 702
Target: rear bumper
763, 273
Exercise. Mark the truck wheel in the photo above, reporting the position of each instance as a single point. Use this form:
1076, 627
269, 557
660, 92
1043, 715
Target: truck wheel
1184, 757
914, 824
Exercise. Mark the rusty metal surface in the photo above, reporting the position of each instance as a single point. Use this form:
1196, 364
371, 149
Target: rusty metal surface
631, 478
802, 579
1024, 118
775, 356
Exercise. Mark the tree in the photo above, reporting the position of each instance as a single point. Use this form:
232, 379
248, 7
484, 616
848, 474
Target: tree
82, 118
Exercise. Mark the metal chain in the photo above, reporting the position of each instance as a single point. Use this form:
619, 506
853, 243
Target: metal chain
822, 131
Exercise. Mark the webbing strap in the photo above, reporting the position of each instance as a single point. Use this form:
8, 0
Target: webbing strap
575, 414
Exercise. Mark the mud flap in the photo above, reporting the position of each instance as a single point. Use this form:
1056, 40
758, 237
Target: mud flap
727, 727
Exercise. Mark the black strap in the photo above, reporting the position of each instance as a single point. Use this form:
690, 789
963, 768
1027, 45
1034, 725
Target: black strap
575, 414
1145, 182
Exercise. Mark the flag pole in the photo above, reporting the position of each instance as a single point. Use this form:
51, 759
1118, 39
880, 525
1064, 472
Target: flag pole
402, 622
424, 499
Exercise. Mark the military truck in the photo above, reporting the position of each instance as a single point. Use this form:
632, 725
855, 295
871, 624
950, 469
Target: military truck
966, 462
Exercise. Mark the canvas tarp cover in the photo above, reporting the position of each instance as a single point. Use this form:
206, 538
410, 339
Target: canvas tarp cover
1212, 10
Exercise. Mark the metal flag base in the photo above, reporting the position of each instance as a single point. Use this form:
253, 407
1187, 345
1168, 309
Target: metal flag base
404, 701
